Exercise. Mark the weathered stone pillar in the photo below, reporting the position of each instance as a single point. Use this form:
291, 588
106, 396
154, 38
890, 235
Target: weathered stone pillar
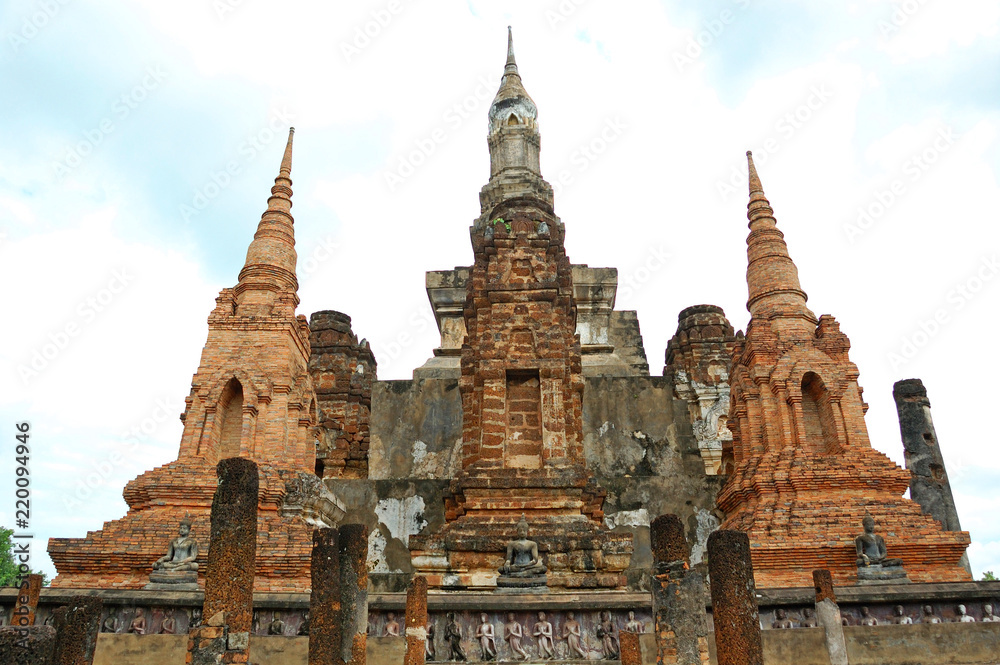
324, 602
27, 602
416, 621
828, 617
631, 653
77, 626
678, 598
929, 484
353, 549
734, 599
30, 645
232, 557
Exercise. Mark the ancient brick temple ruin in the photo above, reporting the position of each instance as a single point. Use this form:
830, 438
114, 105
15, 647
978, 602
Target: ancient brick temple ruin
517, 474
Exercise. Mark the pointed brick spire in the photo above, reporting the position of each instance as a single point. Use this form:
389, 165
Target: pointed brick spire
772, 278
268, 276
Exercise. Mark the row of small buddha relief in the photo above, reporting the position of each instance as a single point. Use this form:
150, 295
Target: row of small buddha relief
516, 636
177, 621
883, 615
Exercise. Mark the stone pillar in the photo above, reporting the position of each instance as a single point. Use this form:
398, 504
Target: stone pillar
631, 653
929, 484
31, 645
232, 557
77, 626
828, 617
27, 601
416, 621
353, 550
678, 598
324, 602
734, 599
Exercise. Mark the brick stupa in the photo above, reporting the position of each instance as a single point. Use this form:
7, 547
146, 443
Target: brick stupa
804, 472
521, 385
251, 397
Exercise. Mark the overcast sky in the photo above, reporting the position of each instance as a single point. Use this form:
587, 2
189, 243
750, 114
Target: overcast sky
139, 140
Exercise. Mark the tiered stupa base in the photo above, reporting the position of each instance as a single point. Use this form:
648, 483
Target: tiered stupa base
121, 555
564, 514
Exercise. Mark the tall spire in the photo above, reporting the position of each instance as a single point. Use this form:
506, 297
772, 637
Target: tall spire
511, 99
268, 276
772, 278
511, 67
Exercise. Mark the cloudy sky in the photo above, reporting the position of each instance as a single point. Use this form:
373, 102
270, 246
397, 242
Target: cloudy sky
139, 140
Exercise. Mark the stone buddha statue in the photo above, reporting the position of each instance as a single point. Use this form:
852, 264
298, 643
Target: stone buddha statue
871, 547
178, 568
523, 562
182, 551
873, 562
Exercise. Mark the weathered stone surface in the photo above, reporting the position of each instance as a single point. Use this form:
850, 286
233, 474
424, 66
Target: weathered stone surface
800, 440
929, 483
823, 582
324, 601
228, 607
343, 371
353, 552
631, 653
77, 626
734, 601
828, 617
27, 601
32, 645
698, 358
666, 538
679, 597
416, 621
232, 552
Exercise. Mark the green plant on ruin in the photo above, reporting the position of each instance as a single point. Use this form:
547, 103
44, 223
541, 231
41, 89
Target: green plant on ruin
501, 220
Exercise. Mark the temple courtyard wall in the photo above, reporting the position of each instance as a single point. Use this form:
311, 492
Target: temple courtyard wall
947, 643
637, 439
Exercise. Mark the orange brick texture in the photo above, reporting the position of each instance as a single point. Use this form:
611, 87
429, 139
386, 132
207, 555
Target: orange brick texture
678, 593
251, 397
802, 469
324, 600
77, 626
27, 601
734, 599
521, 386
416, 621
343, 372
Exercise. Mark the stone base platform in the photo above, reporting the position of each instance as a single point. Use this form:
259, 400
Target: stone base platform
163, 580
878, 575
